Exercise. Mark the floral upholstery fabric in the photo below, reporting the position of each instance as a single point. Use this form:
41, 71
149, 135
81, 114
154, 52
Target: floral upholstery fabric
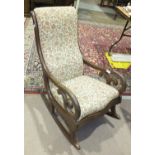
58, 36
92, 95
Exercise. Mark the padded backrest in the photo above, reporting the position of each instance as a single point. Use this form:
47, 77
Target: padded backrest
59, 42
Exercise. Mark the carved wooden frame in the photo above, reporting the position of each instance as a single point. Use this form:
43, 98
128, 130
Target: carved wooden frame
72, 119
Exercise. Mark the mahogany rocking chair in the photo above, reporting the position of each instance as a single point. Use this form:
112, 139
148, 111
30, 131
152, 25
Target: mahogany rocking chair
72, 96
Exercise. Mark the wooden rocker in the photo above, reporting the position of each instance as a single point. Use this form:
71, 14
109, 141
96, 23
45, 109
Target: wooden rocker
73, 98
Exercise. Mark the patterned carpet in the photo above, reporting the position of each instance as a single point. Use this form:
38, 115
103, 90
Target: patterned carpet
94, 40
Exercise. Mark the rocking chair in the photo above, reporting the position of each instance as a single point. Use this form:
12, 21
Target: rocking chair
73, 97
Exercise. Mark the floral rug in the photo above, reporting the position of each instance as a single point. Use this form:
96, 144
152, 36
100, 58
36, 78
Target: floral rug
94, 40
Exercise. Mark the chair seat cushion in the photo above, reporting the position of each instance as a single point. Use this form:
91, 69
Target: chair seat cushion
92, 95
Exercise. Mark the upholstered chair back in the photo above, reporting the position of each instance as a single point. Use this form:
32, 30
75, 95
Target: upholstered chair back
59, 41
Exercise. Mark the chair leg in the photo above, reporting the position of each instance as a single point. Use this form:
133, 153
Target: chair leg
48, 103
71, 136
74, 140
113, 112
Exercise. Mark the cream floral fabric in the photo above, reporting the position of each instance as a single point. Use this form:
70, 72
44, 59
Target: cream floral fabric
58, 35
92, 95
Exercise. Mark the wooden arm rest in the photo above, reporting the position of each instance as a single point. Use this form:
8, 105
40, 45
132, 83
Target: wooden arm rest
112, 77
116, 80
